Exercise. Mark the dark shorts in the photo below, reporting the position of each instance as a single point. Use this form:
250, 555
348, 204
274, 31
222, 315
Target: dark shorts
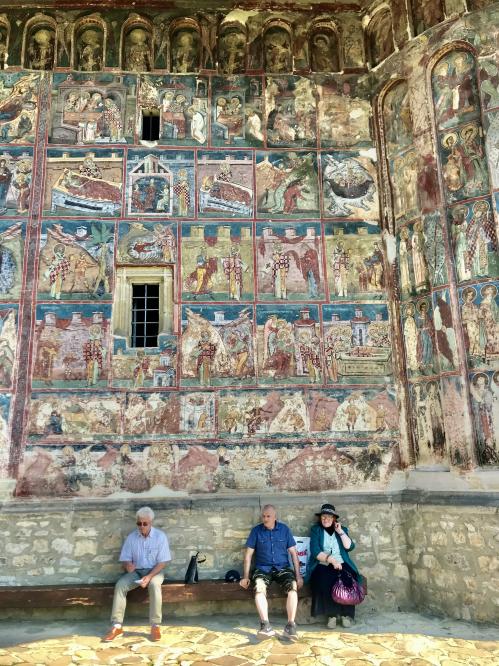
285, 578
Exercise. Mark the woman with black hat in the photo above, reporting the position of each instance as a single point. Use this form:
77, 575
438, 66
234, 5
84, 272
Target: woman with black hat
329, 560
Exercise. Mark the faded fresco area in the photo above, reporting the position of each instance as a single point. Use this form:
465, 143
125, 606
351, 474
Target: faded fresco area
247, 251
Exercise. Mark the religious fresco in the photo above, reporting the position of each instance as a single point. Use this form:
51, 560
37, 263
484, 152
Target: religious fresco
337, 414
160, 183
349, 185
290, 262
217, 345
445, 335
464, 164
287, 185
217, 262
455, 90
354, 259
397, 119
491, 125
76, 260
289, 345
225, 184
11, 259
474, 240
83, 182
484, 393
8, 345
413, 251
5, 400
16, 166
434, 248
18, 107
147, 243
237, 111
92, 108
182, 102
418, 329
352, 115
404, 168
72, 348
357, 343
489, 82
480, 318
290, 112
427, 13
149, 367
428, 423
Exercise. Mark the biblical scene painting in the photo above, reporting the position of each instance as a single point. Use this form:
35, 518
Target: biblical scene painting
145, 368
8, 346
16, 166
354, 258
147, 242
83, 183
289, 344
473, 234
72, 346
349, 186
290, 112
419, 338
18, 106
225, 184
237, 111
489, 82
491, 125
217, 262
76, 260
413, 250
93, 108
480, 319
182, 102
404, 178
397, 119
445, 335
217, 345
11, 259
160, 183
357, 343
287, 185
455, 90
290, 262
351, 126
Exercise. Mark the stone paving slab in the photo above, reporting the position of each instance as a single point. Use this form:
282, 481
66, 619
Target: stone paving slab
387, 639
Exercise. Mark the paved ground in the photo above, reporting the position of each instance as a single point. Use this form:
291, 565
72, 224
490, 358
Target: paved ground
389, 639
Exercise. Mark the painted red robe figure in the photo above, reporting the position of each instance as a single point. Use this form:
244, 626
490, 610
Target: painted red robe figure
291, 196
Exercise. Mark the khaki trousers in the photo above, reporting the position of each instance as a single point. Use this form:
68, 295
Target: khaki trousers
123, 587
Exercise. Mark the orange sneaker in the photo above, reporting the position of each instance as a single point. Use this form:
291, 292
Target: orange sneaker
155, 633
113, 633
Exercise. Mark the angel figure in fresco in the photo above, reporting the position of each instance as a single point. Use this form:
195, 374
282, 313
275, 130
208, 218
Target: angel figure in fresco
488, 316
471, 324
58, 270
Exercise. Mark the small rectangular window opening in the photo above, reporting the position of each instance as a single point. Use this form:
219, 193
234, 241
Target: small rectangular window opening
145, 315
150, 124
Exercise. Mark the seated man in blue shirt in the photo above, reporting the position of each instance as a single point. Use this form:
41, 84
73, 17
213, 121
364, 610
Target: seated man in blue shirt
271, 541
144, 556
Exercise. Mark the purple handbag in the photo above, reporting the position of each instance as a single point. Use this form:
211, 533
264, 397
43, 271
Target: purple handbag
348, 596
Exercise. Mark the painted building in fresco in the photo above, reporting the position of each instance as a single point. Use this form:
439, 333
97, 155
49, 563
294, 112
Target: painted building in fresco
312, 196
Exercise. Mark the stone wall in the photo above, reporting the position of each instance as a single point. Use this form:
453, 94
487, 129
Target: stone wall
417, 551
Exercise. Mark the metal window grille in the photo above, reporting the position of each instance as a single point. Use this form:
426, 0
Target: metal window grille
145, 315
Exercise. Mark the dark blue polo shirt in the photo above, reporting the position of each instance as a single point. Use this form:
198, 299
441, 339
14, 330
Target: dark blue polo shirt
271, 546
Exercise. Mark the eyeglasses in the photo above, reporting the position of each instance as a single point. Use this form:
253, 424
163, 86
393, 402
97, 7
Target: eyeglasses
142, 524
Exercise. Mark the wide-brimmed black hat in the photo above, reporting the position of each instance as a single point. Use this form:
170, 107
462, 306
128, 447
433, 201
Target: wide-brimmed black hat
329, 510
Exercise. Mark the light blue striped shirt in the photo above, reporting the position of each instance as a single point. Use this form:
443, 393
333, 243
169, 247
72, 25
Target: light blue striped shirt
146, 552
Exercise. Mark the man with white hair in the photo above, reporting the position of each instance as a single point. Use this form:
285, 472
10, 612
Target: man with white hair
272, 543
144, 556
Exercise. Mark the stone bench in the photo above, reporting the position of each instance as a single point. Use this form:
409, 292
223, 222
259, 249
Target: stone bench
101, 594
